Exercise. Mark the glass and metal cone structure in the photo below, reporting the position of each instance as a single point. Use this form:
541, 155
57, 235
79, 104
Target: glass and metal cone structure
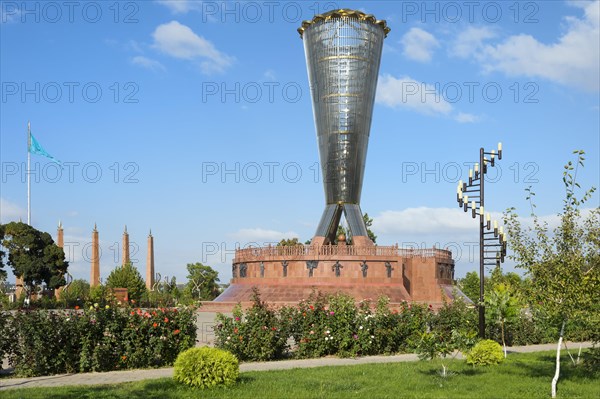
343, 53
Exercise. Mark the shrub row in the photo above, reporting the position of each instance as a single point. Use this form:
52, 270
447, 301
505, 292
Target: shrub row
42, 342
334, 325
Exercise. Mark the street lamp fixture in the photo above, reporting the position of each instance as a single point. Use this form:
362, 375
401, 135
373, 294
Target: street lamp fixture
492, 242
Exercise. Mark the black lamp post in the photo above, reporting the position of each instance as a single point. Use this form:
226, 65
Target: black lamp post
492, 242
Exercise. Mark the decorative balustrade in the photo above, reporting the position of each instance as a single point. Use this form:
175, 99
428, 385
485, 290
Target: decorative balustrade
299, 251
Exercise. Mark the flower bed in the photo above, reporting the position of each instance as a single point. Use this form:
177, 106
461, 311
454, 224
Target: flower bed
335, 325
97, 339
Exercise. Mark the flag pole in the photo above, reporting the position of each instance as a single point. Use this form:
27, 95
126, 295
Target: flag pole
29, 173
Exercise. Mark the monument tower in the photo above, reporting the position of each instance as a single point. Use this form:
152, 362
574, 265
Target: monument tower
343, 52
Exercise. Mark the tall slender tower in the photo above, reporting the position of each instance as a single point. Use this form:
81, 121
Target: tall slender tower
343, 52
150, 263
18, 287
60, 238
95, 274
125, 247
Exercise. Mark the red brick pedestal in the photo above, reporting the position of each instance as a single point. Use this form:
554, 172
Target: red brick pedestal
288, 274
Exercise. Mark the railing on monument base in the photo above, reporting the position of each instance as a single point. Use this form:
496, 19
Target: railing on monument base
299, 251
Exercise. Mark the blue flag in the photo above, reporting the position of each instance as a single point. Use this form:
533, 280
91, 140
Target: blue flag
36, 148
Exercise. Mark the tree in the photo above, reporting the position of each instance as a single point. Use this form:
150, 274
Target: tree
100, 294
512, 280
288, 242
202, 282
563, 266
2, 271
76, 293
3, 298
368, 224
165, 293
34, 257
440, 344
502, 308
127, 276
469, 285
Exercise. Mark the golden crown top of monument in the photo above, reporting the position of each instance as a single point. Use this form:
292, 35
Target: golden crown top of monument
344, 13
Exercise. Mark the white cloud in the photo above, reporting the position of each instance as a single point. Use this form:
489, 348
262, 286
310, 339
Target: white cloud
463, 117
134, 46
553, 221
10, 12
260, 236
408, 93
572, 60
78, 249
423, 220
11, 212
179, 6
147, 63
78, 252
471, 41
181, 42
419, 44
270, 74
387, 49
446, 221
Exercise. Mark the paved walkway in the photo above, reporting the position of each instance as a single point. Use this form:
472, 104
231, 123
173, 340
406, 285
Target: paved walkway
115, 377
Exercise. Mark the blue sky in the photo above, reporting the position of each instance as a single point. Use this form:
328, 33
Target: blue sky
194, 119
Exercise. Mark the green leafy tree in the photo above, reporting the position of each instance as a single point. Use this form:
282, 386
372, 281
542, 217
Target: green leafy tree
202, 282
77, 293
562, 265
34, 257
347, 233
101, 295
4, 289
512, 280
2, 271
128, 277
451, 329
288, 242
469, 285
438, 344
369, 223
502, 308
165, 293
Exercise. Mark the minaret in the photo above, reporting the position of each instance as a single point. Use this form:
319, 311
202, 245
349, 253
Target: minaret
18, 287
60, 242
150, 263
60, 237
125, 247
95, 275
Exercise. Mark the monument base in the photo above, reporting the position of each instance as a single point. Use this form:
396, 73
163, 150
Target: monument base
289, 274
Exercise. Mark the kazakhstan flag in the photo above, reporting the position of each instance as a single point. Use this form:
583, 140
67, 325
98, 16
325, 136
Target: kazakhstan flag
36, 148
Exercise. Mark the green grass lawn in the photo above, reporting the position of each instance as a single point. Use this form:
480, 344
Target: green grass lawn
524, 375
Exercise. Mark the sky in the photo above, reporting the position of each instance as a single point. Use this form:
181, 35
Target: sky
193, 119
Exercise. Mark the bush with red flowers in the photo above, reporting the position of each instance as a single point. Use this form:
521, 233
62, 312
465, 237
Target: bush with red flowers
97, 339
